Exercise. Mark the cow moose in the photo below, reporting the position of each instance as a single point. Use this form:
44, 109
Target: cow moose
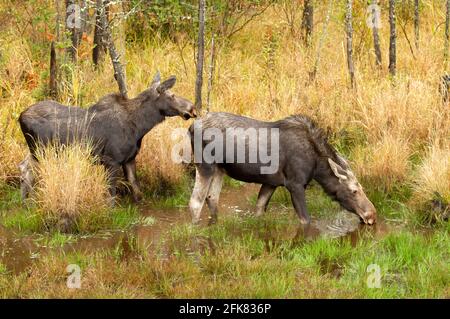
115, 125
303, 155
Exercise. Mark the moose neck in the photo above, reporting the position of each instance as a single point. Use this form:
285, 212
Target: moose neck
145, 118
324, 176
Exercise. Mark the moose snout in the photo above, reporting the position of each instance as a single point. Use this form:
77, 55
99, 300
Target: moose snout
190, 114
370, 217
187, 115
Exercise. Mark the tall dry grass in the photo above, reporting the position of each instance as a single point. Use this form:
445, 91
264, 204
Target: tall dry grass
432, 181
72, 189
384, 164
263, 73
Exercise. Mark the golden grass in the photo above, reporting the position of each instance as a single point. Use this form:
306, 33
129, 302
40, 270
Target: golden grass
385, 164
432, 178
70, 185
154, 161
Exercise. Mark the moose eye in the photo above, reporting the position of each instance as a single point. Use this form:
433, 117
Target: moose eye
354, 191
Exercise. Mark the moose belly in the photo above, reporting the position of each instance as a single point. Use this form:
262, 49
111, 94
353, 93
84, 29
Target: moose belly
253, 173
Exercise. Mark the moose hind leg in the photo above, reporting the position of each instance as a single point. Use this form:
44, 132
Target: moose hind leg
203, 181
129, 170
212, 198
265, 193
113, 177
26, 176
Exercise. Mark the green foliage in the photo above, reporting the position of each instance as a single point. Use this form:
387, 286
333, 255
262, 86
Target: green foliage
169, 18
164, 17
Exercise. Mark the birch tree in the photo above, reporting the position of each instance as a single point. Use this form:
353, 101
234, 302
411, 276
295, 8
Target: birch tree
416, 23
349, 36
447, 32
313, 73
392, 40
375, 24
211, 74
200, 55
74, 24
99, 49
119, 71
52, 85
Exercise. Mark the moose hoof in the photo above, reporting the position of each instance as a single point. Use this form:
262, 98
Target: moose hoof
65, 225
212, 221
137, 197
259, 212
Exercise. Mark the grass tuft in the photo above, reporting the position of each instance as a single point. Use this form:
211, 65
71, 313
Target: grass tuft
71, 188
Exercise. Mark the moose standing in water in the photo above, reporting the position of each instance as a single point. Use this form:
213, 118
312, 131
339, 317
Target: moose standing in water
302, 154
115, 125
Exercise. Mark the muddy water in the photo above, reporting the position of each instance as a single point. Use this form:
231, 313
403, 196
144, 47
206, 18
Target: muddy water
18, 253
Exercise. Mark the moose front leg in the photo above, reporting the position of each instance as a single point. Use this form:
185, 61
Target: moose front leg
299, 202
265, 193
129, 170
203, 179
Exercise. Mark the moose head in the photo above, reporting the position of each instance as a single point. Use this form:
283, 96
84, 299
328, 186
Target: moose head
349, 192
167, 102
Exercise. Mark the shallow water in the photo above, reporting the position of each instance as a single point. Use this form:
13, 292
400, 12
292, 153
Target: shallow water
17, 253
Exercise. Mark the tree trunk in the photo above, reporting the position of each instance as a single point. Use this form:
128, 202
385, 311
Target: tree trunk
52, 84
119, 72
200, 55
392, 40
308, 21
376, 36
73, 24
313, 73
211, 74
84, 18
349, 33
447, 32
416, 23
58, 20
99, 42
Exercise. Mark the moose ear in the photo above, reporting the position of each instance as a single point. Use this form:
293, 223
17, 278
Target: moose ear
337, 170
167, 84
156, 79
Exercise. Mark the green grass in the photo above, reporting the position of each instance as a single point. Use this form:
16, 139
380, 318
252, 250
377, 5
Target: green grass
9, 197
123, 217
172, 196
3, 269
411, 264
231, 182
244, 257
233, 260
54, 240
23, 218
